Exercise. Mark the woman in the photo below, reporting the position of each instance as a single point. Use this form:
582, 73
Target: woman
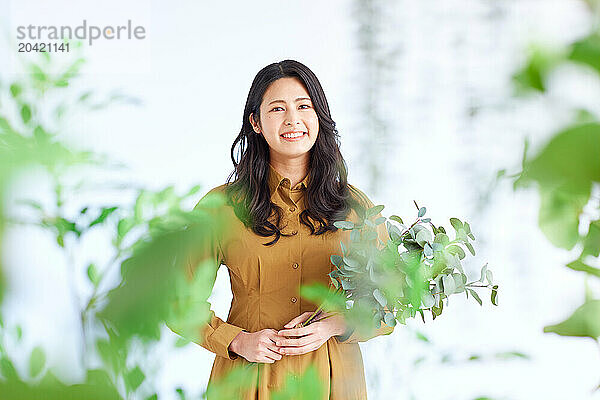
288, 187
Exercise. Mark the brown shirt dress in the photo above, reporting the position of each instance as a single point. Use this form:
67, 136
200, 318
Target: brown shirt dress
265, 282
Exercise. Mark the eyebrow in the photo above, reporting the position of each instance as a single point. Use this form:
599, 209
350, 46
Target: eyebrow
281, 101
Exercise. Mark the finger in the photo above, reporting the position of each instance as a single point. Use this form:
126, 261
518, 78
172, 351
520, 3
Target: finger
273, 347
273, 335
301, 350
300, 318
305, 330
273, 354
297, 342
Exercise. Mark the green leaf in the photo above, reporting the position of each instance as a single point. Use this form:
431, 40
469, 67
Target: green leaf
449, 284
422, 314
37, 360
584, 322
123, 227
345, 225
380, 297
25, 113
15, 90
442, 238
579, 265
111, 355
457, 250
532, 75
393, 232
336, 260
92, 273
483, 273
380, 220
591, 243
470, 247
459, 281
467, 227
489, 276
371, 235
494, 297
8, 370
506, 355
106, 211
456, 224
475, 296
374, 211
195, 189
84, 96
134, 378
389, 319
564, 171
437, 311
427, 300
37, 73
352, 263
422, 337
422, 211
143, 200
99, 378
587, 51
423, 236
427, 250
559, 215
397, 219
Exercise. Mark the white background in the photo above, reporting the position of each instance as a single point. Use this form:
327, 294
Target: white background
452, 124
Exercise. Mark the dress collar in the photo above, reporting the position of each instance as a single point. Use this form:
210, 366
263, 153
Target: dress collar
276, 180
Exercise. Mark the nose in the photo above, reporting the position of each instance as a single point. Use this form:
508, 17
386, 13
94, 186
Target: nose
292, 117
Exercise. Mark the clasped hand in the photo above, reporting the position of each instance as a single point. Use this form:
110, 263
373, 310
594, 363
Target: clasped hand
300, 340
269, 345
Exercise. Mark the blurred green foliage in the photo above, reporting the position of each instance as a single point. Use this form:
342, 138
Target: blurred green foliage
566, 172
151, 237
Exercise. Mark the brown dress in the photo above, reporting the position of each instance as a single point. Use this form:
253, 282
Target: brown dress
265, 282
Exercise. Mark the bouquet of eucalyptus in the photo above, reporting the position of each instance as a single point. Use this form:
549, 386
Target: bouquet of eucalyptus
412, 273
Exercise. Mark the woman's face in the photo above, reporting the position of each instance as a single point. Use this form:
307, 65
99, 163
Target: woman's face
288, 120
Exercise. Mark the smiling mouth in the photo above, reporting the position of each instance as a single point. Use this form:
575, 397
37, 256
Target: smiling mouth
293, 135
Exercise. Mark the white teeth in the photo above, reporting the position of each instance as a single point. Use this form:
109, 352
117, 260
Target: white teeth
293, 135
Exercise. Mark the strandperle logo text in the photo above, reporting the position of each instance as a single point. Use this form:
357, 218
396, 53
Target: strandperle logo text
83, 31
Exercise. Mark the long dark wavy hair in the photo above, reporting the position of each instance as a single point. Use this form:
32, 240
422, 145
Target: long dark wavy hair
327, 196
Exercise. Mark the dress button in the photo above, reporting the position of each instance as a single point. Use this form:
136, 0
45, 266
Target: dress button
295, 265
294, 299
292, 209
294, 232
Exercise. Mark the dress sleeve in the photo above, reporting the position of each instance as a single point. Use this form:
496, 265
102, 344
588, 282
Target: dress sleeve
351, 336
216, 335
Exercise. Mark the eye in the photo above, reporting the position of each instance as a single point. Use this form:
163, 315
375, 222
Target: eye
307, 106
276, 108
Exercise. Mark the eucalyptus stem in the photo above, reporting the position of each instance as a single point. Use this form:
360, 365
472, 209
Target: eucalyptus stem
332, 314
316, 312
